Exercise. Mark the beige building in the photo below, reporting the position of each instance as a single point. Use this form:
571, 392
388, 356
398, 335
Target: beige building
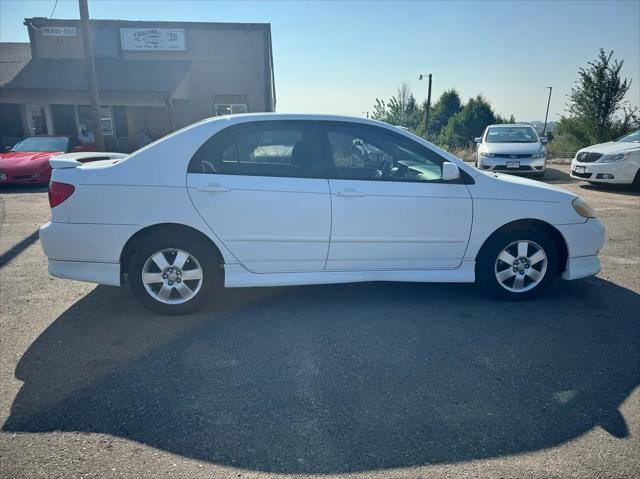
153, 78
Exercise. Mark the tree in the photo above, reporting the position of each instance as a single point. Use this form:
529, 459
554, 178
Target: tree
468, 123
444, 108
596, 103
401, 109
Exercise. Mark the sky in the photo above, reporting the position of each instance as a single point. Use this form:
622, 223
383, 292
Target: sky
338, 57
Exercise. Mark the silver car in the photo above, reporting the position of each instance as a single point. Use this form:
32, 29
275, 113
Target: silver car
511, 148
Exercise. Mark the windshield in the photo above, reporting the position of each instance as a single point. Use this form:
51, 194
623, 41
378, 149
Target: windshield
633, 137
511, 134
42, 143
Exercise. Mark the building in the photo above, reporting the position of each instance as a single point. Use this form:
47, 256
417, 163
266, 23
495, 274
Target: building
153, 77
13, 58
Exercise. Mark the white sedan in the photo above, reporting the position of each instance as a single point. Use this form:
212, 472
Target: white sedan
616, 162
272, 200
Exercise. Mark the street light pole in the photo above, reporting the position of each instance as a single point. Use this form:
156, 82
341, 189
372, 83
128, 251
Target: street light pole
427, 110
91, 74
544, 130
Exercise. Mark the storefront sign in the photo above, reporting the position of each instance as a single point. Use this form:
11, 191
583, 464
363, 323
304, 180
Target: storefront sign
158, 39
59, 31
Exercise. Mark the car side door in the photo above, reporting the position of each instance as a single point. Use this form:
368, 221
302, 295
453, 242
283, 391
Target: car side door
391, 209
262, 190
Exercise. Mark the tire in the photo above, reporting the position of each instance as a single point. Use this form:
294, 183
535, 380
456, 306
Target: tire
539, 175
489, 267
635, 186
201, 264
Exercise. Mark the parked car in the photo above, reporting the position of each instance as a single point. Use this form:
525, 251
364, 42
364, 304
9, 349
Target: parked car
616, 162
28, 161
273, 200
511, 148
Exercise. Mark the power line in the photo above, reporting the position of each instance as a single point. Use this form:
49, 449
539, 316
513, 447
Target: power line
54, 9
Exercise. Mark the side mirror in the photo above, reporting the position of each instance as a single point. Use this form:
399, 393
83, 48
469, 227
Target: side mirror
450, 171
544, 140
478, 139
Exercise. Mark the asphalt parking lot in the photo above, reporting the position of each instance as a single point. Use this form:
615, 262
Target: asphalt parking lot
369, 380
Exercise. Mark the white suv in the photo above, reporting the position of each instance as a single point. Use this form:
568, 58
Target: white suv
272, 200
511, 148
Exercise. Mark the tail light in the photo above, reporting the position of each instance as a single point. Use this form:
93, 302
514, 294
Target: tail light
58, 192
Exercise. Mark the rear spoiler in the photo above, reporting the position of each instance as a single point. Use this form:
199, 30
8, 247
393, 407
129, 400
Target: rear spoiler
73, 160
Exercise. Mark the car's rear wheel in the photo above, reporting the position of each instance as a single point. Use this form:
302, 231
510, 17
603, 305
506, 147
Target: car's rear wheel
174, 273
517, 264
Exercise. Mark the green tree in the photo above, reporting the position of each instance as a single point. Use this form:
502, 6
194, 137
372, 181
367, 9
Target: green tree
443, 109
597, 108
468, 123
401, 109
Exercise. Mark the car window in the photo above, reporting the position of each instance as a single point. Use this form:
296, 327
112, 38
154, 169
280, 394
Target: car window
259, 149
42, 143
511, 134
369, 153
633, 137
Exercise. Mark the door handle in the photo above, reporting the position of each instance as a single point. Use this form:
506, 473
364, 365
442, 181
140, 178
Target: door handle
213, 188
350, 193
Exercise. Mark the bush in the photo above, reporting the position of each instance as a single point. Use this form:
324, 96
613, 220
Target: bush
564, 145
467, 154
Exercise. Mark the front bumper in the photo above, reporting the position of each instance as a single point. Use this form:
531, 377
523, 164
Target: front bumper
619, 172
584, 241
527, 165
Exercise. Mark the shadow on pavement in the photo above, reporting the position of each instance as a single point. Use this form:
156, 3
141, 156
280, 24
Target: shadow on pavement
4, 189
16, 249
339, 378
624, 190
555, 176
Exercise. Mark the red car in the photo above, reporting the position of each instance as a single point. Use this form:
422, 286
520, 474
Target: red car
28, 161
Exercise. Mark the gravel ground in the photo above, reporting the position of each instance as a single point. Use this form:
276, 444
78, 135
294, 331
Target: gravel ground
360, 380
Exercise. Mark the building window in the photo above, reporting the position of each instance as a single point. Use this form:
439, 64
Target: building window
85, 122
38, 121
106, 121
230, 108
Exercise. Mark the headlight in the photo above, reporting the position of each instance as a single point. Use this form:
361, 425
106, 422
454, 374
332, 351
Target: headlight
583, 208
486, 154
612, 158
539, 154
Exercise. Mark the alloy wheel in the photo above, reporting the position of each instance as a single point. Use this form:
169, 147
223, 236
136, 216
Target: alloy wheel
521, 266
172, 276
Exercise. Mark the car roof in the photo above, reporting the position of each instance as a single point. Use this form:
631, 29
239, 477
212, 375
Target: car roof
246, 117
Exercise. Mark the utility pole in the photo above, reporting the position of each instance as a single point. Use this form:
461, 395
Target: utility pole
427, 110
544, 130
91, 74
366, 113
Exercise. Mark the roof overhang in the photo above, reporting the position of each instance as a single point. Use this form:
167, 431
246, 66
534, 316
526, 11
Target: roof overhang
122, 82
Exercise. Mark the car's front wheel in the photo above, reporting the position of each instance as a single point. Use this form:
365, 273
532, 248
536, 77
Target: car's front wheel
173, 274
517, 264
